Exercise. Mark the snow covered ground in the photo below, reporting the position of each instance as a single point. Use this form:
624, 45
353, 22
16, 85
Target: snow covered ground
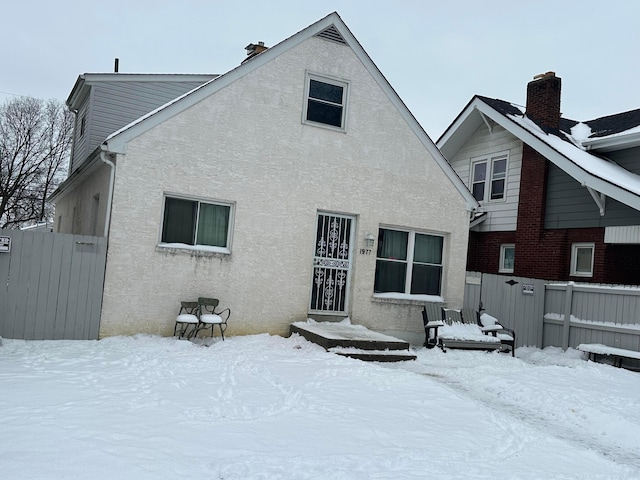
266, 407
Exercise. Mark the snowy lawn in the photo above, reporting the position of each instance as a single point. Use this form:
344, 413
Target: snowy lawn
265, 407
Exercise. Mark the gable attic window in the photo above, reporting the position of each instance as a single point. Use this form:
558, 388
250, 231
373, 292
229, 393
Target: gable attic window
325, 101
199, 224
409, 262
488, 177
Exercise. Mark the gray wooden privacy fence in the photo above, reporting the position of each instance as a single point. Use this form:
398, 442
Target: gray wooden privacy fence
51, 285
559, 314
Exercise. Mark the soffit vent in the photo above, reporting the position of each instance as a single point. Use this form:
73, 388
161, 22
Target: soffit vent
332, 35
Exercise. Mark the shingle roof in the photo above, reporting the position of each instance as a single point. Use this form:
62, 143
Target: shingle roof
612, 124
600, 127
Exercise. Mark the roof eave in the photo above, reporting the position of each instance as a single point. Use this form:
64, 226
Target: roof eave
581, 175
612, 143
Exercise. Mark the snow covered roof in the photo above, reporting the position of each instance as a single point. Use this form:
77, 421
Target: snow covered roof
578, 148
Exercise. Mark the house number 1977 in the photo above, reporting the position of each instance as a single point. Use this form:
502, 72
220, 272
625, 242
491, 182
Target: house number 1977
365, 251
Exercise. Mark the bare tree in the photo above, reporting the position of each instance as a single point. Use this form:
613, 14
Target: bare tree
35, 139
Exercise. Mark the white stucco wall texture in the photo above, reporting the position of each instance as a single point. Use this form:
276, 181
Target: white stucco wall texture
247, 144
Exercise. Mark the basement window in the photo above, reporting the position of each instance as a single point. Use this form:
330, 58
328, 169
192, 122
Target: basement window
325, 102
582, 259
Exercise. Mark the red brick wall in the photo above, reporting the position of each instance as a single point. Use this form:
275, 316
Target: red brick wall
484, 250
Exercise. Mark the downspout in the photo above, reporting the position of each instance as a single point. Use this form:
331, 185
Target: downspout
112, 176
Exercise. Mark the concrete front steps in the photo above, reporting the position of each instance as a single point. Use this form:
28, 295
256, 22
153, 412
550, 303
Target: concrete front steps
354, 341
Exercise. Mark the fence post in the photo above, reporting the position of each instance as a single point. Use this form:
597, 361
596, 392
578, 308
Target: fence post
568, 301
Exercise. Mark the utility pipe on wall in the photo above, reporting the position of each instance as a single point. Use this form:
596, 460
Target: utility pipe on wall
112, 176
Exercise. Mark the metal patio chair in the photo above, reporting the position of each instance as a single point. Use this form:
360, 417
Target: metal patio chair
188, 316
210, 316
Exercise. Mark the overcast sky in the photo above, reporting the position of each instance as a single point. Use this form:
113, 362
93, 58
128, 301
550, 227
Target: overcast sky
436, 55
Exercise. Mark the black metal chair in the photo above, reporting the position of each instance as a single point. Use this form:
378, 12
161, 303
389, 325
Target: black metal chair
188, 316
210, 316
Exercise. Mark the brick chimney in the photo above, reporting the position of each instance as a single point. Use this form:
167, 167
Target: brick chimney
537, 249
543, 101
254, 49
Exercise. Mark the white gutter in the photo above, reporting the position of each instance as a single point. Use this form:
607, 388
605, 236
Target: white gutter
613, 142
112, 176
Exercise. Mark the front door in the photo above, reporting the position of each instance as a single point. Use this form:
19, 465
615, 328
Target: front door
332, 264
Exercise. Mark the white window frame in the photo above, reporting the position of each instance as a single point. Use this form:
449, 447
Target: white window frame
204, 248
490, 162
503, 250
345, 97
574, 258
410, 261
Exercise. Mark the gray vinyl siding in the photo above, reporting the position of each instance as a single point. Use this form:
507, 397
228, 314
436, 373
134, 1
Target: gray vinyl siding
113, 105
80, 143
570, 205
502, 214
628, 158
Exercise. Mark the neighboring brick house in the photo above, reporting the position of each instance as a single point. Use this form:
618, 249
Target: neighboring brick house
560, 199
297, 184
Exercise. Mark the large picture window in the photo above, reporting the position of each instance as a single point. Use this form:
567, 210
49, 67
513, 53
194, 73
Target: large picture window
325, 101
194, 222
488, 178
409, 262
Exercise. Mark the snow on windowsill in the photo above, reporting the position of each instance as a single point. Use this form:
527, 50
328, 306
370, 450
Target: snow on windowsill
194, 250
394, 297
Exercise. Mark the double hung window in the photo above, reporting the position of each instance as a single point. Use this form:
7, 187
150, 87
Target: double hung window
196, 223
326, 101
409, 262
488, 178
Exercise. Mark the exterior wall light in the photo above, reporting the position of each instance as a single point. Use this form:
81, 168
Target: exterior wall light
369, 239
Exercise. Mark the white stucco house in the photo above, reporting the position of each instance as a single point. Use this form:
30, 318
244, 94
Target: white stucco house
296, 185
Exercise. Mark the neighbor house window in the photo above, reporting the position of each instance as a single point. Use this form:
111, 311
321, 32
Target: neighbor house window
507, 258
582, 259
488, 178
325, 101
409, 262
195, 222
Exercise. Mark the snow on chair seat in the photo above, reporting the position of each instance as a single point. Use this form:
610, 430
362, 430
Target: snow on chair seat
210, 316
460, 334
187, 317
491, 326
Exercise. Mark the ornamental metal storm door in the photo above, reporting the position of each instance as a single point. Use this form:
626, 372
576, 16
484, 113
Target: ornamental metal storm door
332, 264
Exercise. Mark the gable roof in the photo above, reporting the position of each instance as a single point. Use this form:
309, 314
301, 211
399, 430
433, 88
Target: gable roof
572, 151
330, 28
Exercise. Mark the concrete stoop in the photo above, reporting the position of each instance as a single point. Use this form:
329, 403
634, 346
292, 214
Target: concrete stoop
354, 341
